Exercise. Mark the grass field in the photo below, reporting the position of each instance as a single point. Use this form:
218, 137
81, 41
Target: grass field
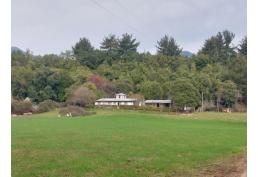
123, 143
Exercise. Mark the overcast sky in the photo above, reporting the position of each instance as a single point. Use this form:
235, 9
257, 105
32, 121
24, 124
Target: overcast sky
52, 26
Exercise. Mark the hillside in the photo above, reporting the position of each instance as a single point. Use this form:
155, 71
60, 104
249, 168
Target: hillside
186, 54
119, 67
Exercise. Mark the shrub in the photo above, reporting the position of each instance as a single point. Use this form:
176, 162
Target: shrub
47, 105
73, 110
239, 108
82, 97
20, 107
209, 106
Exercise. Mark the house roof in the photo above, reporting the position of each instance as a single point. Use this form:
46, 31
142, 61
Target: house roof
157, 101
120, 94
114, 100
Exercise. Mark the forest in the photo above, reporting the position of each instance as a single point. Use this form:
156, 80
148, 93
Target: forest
217, 72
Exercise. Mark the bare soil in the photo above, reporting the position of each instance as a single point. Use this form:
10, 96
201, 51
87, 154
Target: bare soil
233, 167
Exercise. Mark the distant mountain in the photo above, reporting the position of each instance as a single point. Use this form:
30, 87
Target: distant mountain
186, 54
16, 49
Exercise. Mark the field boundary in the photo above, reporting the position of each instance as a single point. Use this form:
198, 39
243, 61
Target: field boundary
234, 166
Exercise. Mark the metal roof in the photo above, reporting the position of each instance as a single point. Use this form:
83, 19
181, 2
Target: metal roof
120, 94
157, 101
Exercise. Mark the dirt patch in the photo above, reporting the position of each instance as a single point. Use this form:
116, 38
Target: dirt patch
233, 167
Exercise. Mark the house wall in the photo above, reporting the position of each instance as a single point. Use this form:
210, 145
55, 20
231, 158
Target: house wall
158, 104
129, 103
120, 96
103, 103
150, 104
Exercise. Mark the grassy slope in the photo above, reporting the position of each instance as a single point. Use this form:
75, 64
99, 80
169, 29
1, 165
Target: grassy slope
123, 143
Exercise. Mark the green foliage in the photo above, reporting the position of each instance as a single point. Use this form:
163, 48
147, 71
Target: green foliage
229, 94
90, 59
242, 49
22, 77
20, 58
48, 84
82, 46
106, 71
201, 61
50, 60
167, 90
168, 46
127, 45
118, 67
79, 74
110, 43
237, 72
151, 90
184, 93
124, 85
203, 83
219, 48
58, 81
86, 55
137, 76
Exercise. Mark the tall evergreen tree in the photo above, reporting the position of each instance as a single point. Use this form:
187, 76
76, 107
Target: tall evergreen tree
168, 46
127, 44
86, 55
242, 49
219, 48
82, 46
109, 43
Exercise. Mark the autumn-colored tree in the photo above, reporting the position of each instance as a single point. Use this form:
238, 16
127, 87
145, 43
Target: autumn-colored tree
97, 80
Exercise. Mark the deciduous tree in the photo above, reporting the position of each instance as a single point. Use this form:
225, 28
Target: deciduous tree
184, 93
151, 90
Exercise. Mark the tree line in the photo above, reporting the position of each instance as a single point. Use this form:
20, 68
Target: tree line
217, 72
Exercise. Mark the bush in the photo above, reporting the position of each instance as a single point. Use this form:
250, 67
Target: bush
20, 107
209, 106
82, 97
47, 105
73, 110
239, 108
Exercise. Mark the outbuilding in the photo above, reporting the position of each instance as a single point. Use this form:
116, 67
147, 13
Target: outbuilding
158, 103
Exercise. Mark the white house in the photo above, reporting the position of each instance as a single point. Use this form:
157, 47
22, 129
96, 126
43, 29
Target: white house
120, 100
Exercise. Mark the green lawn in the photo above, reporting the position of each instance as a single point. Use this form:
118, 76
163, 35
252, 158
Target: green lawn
123, 143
